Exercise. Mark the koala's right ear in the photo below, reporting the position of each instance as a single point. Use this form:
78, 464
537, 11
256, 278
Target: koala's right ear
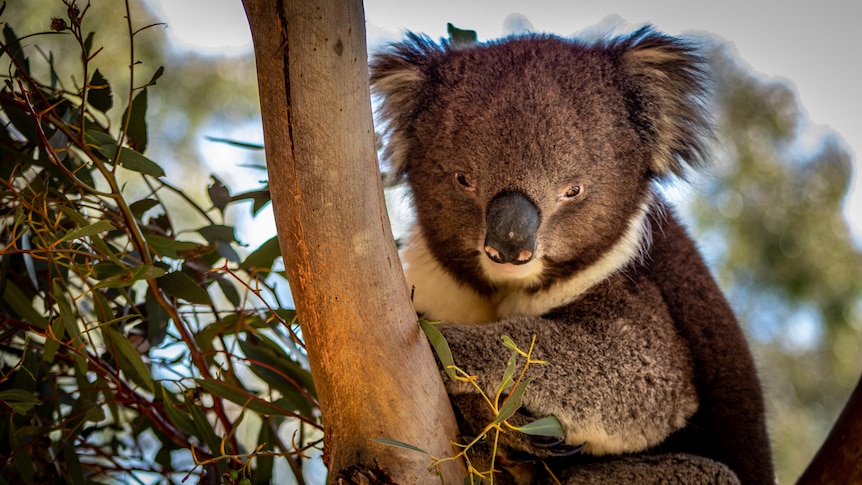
401, 82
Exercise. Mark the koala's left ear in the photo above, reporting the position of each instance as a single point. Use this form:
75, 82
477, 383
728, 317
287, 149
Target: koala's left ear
666, 90
400, 79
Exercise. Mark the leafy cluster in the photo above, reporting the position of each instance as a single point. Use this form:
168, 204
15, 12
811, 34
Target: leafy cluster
503, 405
129, 348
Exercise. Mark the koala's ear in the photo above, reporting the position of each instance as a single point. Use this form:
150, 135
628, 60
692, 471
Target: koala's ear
400, 81
666, 89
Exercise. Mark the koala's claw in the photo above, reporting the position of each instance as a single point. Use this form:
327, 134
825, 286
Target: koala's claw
546, 441
557, 450
569, 450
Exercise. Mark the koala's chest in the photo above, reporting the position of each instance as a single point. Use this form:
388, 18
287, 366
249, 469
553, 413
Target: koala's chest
437, 295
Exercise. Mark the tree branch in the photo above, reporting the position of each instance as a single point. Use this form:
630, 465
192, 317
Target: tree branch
373, 368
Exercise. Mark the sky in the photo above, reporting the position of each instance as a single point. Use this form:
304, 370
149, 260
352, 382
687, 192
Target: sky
812, 45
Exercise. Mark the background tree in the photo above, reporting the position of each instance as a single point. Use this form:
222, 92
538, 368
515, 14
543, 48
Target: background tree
769, 216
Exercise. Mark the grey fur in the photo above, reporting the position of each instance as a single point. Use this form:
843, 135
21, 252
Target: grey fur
646, 363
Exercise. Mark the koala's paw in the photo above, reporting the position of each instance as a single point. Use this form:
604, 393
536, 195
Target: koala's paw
529, 448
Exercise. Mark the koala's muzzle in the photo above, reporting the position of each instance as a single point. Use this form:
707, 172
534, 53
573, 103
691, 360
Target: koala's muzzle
512, 221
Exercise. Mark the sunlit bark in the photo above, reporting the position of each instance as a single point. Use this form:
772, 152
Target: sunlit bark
374, 371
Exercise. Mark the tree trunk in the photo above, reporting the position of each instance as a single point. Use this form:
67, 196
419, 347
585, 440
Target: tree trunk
372, 366
840, 458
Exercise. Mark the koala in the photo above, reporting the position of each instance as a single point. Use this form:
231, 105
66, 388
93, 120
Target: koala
533, 163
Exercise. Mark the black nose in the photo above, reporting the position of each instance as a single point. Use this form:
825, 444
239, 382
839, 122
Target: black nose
512, 221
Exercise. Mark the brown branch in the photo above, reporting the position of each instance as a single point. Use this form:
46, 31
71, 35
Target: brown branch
839, 460
373, 368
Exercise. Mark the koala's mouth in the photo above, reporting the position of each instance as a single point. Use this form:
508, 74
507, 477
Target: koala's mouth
526, 274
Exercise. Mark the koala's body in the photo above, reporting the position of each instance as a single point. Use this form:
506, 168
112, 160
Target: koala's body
532, 163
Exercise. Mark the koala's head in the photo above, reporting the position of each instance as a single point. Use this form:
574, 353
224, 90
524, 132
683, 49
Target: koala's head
530, 158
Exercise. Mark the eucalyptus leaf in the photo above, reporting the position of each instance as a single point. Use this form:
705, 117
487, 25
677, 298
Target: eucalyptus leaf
136, 131
156, 75
181, 419
19, 400
134, 161
242, 397
547, 426
74, 472
181, 285
90, 230
265, 463
100, 95
401, 444
507, 380
441, 347
129, 358
264, 256
512, 402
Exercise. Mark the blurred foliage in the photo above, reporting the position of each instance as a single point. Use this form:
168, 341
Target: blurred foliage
773, 207
200, 93
130, 349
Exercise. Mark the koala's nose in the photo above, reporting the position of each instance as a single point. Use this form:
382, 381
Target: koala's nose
512, 221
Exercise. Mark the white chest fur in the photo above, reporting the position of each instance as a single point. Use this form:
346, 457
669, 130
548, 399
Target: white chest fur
437, 295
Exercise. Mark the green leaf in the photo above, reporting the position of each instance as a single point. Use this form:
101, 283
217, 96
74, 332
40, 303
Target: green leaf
265, 464
547, 426
19, 400
181, 285
22, 305
229, 290
54, 77
441, 347
242, 397
138, 208
509, 343
15, 48
179, 418
513, 402
100, 96
276, 368
134, 161
88, 43
205, 429
98, 138
67, 323
170, 248
143, 272
74, 472
401, 444
136, 131
157, 320
460, 37
156, 75
219, 194
218, 232
91, 230
221, 236
264, 256
238, 144
129, 358
507, 381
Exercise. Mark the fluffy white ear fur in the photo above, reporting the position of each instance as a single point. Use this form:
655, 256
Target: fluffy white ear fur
398, 78
670, 76
438, 295
397, 90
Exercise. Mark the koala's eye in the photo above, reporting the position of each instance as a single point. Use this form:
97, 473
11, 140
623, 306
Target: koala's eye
464, 182
571, 192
